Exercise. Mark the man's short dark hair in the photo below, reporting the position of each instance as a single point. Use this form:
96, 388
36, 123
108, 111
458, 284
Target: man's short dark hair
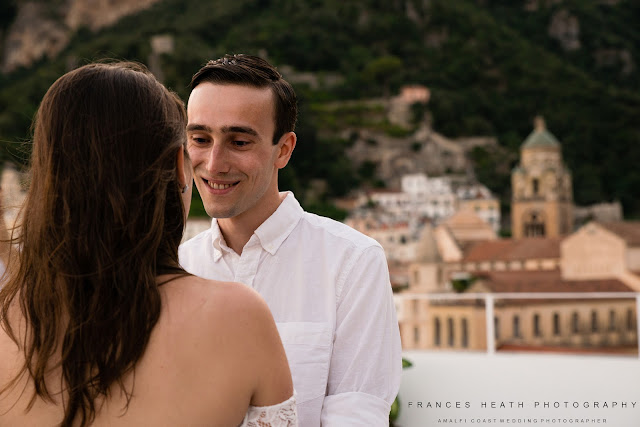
248, 70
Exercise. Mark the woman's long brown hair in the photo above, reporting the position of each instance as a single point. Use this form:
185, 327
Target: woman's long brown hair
102, 219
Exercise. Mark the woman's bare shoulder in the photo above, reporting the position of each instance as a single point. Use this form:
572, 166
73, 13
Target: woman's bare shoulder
233, 307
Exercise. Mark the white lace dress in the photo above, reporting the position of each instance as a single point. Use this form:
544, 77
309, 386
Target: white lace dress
283, 414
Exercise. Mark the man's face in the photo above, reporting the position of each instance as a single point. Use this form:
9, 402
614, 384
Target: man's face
230, 142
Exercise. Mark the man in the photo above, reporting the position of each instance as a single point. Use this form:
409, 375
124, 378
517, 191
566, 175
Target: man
326, 284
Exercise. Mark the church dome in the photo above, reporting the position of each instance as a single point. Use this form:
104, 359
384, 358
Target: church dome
540, 137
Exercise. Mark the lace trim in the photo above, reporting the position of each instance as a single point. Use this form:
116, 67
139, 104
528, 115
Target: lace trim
283, 414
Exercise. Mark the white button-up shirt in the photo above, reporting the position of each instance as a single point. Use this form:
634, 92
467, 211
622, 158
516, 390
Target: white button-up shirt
328, 289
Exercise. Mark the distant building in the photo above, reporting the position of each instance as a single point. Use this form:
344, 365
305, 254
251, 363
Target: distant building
397, 237
440, 250
603, 250
478, 199
600, 257
396, 219
601, 212
542, 203
437, 198
399, 112
419, 196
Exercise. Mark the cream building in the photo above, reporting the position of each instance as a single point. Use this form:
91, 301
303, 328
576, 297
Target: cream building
398, 238
600, 257
478, 199
603, 250
440, 251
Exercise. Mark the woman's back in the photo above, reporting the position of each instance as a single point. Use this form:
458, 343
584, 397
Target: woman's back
99, 324
210, 355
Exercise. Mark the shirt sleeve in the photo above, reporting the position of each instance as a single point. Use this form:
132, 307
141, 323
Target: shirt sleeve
366, 362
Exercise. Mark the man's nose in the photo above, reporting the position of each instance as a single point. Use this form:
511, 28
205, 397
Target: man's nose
218, 159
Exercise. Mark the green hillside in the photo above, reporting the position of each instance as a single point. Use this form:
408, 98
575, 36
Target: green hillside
491, 67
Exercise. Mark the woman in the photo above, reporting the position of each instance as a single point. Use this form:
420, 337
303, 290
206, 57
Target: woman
100, 325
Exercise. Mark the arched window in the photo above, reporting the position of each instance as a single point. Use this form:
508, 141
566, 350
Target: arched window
594, 321
536, 325
436, 332
451, 334
496, 326
612, 320
465, 334
536, 186
575, 323
534, 225
556, 324
630, 320
516, 326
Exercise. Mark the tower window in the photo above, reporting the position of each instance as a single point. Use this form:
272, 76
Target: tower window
536, 186
534, 225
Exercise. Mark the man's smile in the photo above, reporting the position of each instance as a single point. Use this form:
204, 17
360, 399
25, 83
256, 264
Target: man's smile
217, 185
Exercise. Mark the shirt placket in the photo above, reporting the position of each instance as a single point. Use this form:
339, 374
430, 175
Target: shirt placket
248, 265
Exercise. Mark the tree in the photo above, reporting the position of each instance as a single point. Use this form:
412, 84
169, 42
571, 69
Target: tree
381, 70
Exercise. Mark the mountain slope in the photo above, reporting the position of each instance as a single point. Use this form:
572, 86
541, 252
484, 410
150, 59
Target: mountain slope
491, 67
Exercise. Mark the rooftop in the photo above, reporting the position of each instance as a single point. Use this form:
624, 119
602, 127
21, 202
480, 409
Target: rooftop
627, 230
513, 249
545, 281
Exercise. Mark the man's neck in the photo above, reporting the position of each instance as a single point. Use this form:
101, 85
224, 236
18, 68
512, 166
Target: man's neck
238, 230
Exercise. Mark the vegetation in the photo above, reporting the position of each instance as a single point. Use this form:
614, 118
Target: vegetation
490, 65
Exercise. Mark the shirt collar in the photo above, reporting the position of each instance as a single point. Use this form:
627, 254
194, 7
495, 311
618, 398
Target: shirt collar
271, 233
217, 240
280, 224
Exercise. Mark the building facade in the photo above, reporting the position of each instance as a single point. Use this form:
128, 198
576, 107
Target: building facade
598, 258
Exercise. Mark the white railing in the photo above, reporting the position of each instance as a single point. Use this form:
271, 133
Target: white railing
489, 300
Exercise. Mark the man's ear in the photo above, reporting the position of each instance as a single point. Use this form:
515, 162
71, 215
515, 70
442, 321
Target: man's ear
285, 148
180, 171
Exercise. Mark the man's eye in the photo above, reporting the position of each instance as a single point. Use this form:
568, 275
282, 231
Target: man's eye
240, 143
198, 140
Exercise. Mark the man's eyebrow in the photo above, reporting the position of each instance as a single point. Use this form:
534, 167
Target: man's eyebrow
194, 127
239, 129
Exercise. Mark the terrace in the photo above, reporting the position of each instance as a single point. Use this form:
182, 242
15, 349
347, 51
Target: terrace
497, 385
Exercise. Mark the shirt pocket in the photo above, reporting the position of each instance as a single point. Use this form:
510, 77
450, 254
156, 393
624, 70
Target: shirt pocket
308, 348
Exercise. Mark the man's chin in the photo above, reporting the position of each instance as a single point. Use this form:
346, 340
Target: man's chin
218, 213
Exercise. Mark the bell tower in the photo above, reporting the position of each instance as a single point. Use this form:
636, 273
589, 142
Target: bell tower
542, 200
